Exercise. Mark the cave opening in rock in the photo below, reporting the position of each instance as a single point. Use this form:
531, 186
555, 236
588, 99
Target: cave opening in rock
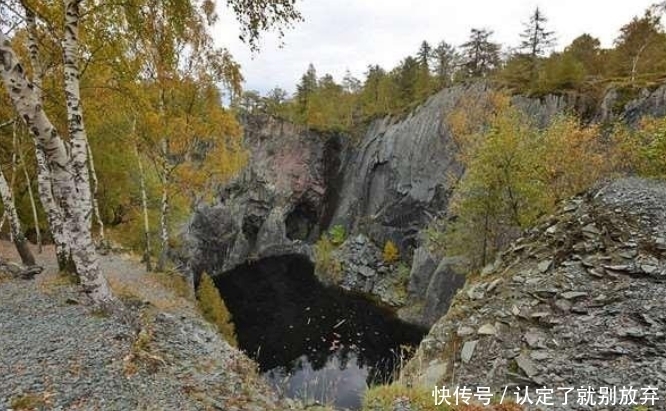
313, 342
301, 222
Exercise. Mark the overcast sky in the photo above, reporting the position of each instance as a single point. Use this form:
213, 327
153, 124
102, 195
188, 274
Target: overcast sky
351, 34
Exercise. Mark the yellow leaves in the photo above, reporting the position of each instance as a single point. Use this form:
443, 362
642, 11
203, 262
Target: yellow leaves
214, 310
516, 173
574, 157
390, 254
467, 122
642, 150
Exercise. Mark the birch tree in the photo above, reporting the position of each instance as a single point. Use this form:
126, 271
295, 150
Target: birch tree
53, 209
19, 161
640, 48
69, 173
164, 41
14, 224
179, 62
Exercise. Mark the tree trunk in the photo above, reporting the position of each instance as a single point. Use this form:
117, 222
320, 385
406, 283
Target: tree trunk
83, 250
636, 59
95, 191
144, 204
54, 212
164, 225
33, 206
69, 187
14, 224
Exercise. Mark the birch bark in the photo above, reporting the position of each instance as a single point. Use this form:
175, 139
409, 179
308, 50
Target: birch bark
53, 210
164, 225
80, 199
14, 224
31, 196
69, 192
144, 203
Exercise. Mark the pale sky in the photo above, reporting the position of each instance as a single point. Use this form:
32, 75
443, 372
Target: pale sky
351, 34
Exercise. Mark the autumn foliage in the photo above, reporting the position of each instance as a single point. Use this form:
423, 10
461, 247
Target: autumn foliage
515, 173
390, 254
214, 310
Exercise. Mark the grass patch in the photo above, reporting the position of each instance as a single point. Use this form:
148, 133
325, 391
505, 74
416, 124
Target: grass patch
28, 402
383, 397
176, 283
390, 254
52, 283
327, 266
123, 290
141, 354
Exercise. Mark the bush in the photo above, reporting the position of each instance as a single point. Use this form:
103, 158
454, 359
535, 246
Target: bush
643, 150
517, 172
326, 265
391, 253
337, 235
214, 310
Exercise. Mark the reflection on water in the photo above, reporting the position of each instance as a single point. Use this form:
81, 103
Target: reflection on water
311, 341
341, 381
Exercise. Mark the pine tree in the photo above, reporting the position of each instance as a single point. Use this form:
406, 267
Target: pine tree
424, 54
444, 61
406, 78
536, 39
481, 56
350, 83
305, 89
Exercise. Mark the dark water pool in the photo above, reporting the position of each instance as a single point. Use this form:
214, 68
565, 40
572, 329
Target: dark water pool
313, 342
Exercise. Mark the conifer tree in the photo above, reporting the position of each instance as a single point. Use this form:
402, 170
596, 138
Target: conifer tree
536, 39
481, 56
444, 61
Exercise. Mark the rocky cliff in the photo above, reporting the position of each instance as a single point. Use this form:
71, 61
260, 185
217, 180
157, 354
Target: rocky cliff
577, 301
276, 206
388, 185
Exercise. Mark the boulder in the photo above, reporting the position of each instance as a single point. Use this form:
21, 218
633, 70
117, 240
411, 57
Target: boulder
445, 281
423, 267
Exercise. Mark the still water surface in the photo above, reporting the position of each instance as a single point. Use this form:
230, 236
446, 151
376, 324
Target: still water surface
312, 342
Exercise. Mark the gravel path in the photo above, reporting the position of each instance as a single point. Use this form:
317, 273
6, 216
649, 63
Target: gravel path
58, 354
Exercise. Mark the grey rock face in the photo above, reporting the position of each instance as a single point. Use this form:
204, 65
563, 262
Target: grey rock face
444, 283
423, 267
400, 175
594, 315
364, 271
388, 186
277, 204
646, 104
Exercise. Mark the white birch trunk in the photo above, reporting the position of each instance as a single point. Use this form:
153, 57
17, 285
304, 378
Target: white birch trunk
54, 213
33, 206
66, 184
53, 210
31, 196
95, 191
83, 249
12, 184
164, 225
144, 205
14, 224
